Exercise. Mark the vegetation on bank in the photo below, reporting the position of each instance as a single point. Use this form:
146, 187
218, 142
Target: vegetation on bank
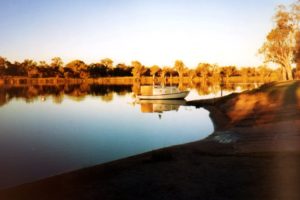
105, 68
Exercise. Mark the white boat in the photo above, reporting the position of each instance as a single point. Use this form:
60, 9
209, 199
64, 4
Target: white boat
161, 92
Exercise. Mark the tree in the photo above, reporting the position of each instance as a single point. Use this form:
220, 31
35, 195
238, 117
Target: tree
33, 72
154, 69
215, 72
97, 70
121, 70
27, 63
191, 73
203, 69
228, 71
56, 62
264, 72
296, 18
138, 69
76, 68
31, 67
76, 65
57, 67
245, 71
179, 67
107, 62
2, 65
164, 71
43, 64
297, 55
2, 62
280, 43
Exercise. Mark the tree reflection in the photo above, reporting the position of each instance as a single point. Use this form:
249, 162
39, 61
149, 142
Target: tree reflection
107, 97
76, 92
31, 92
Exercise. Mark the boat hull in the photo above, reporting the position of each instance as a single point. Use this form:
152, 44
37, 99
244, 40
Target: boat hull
179, 95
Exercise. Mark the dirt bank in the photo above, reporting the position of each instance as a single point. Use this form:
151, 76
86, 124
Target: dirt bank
254, 153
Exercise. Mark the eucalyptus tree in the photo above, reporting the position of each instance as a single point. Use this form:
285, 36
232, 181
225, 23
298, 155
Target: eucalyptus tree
154, 70
164, 71
179, 67
76, 68
56, 62
138, 69
203, 69
57, 66
281, 45
107, 62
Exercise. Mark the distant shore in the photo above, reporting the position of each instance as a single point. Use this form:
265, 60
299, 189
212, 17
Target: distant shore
254, 153
23, 81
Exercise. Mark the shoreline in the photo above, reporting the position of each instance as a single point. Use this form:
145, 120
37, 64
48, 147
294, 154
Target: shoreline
128, 80
254, 152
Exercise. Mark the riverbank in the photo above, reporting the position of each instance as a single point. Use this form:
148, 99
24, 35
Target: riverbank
254, 153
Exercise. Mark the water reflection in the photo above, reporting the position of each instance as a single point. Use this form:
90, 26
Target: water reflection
160, 106
64, 127
77, 92
46, 130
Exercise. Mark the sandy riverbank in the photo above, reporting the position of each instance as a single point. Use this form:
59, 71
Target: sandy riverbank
254, 153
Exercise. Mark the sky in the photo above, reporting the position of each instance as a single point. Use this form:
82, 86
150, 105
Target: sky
154, 32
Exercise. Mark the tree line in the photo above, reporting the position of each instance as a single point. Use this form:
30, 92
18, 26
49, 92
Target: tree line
73, 69
106, 68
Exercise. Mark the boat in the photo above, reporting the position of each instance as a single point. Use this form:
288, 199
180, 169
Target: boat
161, 92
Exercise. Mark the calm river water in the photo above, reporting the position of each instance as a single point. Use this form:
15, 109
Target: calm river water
47, 130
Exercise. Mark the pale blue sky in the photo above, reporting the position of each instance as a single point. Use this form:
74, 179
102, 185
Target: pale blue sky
153, 31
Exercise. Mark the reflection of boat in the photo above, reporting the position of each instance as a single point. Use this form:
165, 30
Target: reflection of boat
164, 101
162, 92
159, 106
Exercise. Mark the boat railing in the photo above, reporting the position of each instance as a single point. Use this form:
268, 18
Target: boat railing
162, 85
